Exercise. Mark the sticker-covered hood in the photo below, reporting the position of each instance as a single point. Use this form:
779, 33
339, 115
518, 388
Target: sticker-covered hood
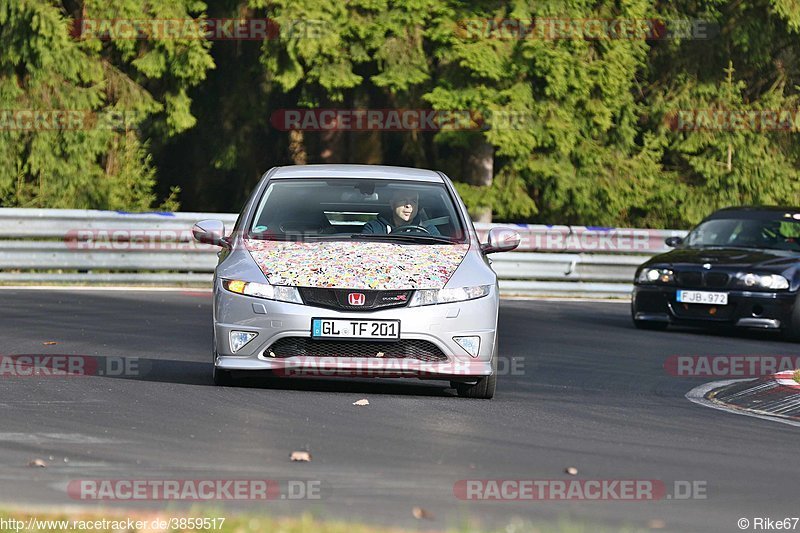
356, 264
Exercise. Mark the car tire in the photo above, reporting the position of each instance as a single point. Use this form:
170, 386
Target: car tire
485, 387
222, 378
791, 332
652, 325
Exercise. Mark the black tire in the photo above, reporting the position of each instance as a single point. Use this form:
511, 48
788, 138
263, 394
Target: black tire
485, 387
652, 325
791, 331
222, 378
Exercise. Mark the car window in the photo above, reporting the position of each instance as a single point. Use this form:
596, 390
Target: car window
341, 208
778, 233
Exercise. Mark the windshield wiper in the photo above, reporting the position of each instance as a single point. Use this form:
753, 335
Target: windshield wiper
300, 238
716, 246
402, 238
733, 247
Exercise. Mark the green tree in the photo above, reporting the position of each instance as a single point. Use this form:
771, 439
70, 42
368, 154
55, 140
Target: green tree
124, 89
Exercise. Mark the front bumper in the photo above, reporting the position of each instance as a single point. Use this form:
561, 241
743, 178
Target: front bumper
435, 324
750, 309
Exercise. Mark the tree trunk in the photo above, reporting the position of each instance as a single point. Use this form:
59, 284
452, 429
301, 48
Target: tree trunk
332, 146
297, 147
479, 171
366, 147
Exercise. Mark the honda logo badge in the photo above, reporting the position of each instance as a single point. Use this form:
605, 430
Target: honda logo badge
356, 298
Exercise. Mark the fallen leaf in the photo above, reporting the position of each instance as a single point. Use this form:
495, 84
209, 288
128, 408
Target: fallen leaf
420, 513
38, 462
49, 343
572, 471
361, 402
300, 456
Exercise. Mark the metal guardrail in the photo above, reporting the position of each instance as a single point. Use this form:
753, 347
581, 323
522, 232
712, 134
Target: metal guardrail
108, 247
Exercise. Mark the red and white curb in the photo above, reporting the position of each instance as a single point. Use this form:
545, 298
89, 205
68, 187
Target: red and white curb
700, 395
786, 379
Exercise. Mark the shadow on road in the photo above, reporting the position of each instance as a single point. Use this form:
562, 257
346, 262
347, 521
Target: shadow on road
197, 373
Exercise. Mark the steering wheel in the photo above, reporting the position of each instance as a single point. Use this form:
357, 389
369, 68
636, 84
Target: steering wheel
410, 228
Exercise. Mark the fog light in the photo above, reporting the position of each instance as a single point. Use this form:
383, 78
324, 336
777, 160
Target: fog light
240, 338
471, 344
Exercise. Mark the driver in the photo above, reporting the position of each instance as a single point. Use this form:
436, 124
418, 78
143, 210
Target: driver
405, 212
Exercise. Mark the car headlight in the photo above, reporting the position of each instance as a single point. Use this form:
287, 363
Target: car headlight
765, 281
263, 290
444, 296
656, 275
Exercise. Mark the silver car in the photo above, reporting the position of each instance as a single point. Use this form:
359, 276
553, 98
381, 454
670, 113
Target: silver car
356, 270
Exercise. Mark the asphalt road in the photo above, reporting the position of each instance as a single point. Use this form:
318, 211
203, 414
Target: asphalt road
587, 390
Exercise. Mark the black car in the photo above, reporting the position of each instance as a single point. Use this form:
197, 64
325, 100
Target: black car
738, 267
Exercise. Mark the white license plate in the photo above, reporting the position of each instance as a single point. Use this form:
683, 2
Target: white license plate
337, 328
703, 297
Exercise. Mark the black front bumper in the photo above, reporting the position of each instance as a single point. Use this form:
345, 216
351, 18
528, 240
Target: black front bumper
765, 310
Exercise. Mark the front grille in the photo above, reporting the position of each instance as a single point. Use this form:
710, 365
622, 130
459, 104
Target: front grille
402, 349
690, 280
700, 280
705, 312
337, 298
716, 279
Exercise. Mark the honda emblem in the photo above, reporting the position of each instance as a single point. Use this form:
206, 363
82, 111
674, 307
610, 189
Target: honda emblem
356, 298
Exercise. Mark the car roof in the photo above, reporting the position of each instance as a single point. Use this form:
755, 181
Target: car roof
357, 171
754, 212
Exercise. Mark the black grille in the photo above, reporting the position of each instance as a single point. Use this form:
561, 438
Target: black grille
402, 349
338, 298
716, 279
706, 312
689, 279
699, 280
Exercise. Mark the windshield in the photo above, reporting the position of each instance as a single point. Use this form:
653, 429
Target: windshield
407, 211
774, 234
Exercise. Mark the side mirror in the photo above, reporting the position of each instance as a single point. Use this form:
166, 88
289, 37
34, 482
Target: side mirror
673, 241
210, 232
500, 240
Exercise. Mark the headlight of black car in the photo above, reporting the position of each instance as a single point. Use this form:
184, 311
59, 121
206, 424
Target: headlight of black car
656, 275
749, 280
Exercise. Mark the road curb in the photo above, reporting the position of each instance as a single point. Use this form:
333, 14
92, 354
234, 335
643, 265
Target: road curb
775, 397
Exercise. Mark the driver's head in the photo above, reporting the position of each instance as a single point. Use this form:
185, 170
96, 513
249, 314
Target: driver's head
404, 205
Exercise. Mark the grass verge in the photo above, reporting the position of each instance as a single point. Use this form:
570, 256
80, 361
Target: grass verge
113, 521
